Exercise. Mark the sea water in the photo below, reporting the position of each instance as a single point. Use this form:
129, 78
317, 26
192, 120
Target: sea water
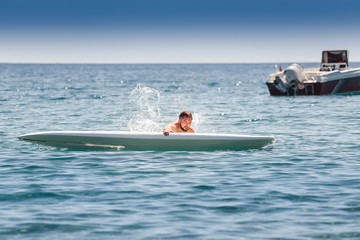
305, 186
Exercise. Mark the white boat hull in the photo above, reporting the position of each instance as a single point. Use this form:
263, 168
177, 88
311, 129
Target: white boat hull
146, 141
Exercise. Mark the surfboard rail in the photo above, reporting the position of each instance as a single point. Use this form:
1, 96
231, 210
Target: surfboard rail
146, 140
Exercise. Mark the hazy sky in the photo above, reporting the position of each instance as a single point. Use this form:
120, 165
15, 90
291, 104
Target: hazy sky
176, 31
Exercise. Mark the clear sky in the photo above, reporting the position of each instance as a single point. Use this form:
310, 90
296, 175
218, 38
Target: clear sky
176, 31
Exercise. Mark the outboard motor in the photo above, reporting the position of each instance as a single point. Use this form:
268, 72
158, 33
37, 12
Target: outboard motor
280, 84
293, 74
291, 81
294, 78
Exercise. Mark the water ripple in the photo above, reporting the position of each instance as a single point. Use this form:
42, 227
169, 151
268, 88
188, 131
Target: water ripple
306, 186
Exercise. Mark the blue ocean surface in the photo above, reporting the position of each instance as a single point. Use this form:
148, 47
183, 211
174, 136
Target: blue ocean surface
305, 186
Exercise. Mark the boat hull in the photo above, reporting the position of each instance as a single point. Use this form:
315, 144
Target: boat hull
347, 86
147, 141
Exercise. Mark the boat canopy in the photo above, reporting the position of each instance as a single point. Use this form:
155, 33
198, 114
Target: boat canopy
334, 60
339, 56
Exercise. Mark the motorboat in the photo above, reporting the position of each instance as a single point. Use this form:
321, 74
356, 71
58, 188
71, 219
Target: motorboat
333, 77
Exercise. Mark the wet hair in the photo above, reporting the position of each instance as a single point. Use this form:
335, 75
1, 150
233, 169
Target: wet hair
185, 114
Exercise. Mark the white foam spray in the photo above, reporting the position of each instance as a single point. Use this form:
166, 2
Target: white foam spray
197, 121
147, 116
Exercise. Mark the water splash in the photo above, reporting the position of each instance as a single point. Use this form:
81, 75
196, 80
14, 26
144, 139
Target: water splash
146, 114
147, 117
197, 121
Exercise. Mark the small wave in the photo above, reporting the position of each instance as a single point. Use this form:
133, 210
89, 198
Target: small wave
32, 195
44, 227
58, 98
229, 209
250, 120
204, 187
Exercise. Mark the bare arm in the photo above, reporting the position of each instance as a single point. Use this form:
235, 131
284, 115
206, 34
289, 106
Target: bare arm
169, 129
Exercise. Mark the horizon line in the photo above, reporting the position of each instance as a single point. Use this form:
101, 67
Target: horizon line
161, 63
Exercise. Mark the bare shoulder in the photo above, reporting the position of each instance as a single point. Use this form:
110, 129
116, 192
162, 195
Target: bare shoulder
171, 126
191, 130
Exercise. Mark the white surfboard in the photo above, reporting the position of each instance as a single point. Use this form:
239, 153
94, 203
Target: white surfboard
146, 141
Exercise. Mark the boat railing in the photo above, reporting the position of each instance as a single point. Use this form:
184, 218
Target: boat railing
327, 69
